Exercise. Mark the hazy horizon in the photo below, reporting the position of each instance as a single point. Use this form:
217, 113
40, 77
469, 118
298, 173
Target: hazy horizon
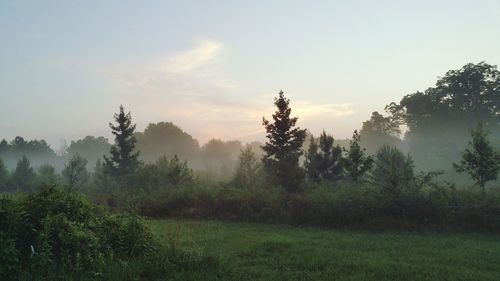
214, 70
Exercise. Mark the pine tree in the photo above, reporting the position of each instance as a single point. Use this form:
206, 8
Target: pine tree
23, 177
47, 175
481, 161
123, 161
247, 169
356, 163
283, 148
324, 161
393, 171
313, 160
173, 172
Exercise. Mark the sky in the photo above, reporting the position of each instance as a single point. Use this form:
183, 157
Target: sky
214, 67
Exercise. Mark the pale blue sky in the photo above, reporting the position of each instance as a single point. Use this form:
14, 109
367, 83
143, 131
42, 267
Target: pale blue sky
213, 67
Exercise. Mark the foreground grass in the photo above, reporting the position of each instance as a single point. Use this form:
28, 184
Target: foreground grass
269, 252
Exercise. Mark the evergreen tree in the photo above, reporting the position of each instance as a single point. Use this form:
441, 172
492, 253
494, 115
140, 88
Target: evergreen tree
393, 171
356, 163
4, 177
75, 173
313, 160
23, 177
174, 171
481, 161
47, 175
123, 161
324, 161
283, 148
247, 169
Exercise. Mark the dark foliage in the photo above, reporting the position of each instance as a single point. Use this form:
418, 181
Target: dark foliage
23, 177
283, 147
356, 163
323, 159
123, 161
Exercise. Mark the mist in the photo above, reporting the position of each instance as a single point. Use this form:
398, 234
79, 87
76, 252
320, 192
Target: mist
249, 140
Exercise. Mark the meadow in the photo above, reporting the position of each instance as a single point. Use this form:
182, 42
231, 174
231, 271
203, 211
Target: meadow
249, 251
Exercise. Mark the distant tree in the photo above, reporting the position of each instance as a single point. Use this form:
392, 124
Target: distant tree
393, 171
221, 155
174, 171
165, 138
47, 175
247, 169
4, 177
33, 147
355, 162
378, 125
437, 119
283, 147
480, 161
75, 173
91, 148
23, 177
324, 161
123, 161
4, 146
380, 130
464, 96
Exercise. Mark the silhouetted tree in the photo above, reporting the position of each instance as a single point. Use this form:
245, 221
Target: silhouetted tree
378, 125
165, 138
75, 173
123, 161
324, 161
23, 177
380, 130
393, 171
283, 147
355, 162
480, 161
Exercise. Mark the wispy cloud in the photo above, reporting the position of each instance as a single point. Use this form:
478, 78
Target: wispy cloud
205, 52
190, 88
197, 69
311, 110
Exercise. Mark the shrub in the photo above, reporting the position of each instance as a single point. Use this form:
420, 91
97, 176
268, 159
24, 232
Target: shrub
59, 235
393, 172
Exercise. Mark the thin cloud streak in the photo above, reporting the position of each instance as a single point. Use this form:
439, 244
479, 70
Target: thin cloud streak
206, 52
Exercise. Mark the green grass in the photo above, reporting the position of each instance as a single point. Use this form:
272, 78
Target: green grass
248, 251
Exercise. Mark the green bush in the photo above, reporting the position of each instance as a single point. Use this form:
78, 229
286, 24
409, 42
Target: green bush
58, 235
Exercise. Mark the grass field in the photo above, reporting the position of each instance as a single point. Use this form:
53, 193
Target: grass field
273, 252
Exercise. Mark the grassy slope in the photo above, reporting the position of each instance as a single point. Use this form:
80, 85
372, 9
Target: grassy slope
270, 252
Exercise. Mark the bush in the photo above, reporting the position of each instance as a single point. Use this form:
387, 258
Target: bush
59, 235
